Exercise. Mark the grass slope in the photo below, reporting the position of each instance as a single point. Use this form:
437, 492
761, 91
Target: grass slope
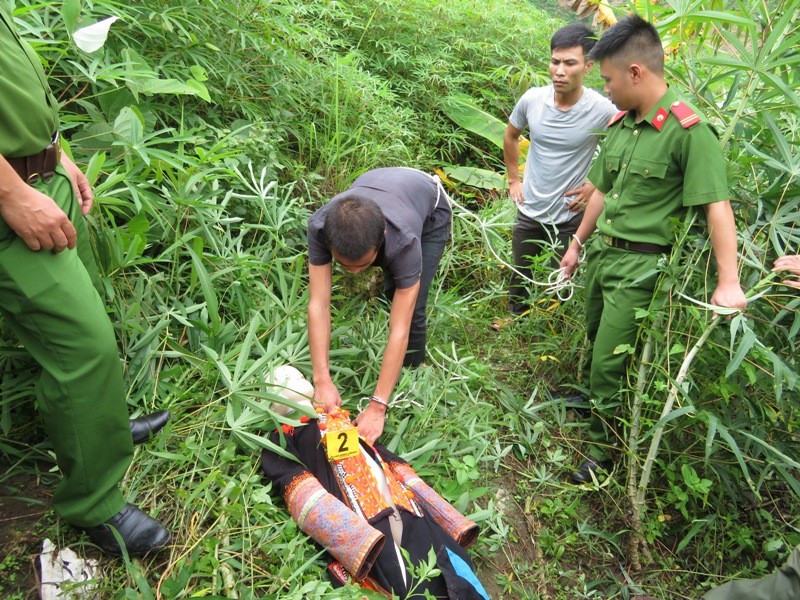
211, 130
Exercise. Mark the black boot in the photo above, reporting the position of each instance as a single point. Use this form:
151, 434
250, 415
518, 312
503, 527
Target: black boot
146, 426
591, 467
578, 403
140, 533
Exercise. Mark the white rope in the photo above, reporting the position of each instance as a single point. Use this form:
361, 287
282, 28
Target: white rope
557, 283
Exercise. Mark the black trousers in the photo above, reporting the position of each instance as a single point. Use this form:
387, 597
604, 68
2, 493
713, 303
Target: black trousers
433, 244
529, 240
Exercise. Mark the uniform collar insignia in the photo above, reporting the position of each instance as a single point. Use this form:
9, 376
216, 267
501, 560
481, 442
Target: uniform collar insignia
660, 118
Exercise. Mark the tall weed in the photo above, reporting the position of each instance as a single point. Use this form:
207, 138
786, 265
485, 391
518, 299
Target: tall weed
210, 130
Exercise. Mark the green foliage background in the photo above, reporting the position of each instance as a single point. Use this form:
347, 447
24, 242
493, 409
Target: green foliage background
211, 129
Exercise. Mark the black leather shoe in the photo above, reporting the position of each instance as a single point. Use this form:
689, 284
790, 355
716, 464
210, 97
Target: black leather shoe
146, 426
589, 467
140, 532
577, 403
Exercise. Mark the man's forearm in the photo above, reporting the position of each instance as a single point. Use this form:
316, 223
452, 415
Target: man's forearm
10, 182
319, 340
511, 156
391, 364
722, 232
590, 216
400, 318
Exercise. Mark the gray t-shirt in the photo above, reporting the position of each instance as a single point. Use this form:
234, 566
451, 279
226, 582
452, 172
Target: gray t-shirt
562, 146
413, 204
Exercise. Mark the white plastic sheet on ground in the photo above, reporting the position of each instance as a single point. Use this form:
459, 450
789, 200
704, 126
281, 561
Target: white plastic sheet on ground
63, 572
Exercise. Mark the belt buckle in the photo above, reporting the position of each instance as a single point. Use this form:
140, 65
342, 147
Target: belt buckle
55, 148
53, 151
608, 240
56, 143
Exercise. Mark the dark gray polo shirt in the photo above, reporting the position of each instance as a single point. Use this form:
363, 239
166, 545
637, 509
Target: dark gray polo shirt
408, 200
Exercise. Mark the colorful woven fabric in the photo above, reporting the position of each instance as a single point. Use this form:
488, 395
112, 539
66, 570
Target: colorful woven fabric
338, 572
457, 526
356, 480
317, 502
350, 539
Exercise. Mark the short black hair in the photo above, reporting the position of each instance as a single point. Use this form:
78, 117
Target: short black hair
574, 34
354, 226
632, 39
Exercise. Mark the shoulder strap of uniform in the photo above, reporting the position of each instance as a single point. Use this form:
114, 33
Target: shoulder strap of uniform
686, 116
617, 117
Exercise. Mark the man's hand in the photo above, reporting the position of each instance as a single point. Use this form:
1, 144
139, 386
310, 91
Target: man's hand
722, 232
327, 396
80, 185
370, 422
789, 263
729, 296
581, 197
37, 219
570, 260
515, 192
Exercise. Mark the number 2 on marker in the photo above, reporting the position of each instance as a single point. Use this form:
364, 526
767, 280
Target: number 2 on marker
342, 444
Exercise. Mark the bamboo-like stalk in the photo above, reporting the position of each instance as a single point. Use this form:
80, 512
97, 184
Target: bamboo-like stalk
633, 447
637, 498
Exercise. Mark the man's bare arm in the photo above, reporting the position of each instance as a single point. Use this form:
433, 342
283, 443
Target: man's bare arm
319, 335
722, 231
511, 159
587, 226
370, 422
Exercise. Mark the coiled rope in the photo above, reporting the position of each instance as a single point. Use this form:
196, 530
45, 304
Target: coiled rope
557, 284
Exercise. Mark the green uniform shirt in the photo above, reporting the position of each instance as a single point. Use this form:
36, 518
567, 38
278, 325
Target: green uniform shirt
649, 175
28, 111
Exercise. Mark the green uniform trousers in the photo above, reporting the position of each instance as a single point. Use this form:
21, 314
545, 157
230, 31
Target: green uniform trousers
618, 281
784, 584
51, 303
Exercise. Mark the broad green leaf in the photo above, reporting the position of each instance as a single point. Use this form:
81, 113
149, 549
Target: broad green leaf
466, 114
151, 86
92, 170
70, 13
671, 416
697, 526
711, 435
737, 452
199, 89
790, 462
747, 341
479, 178
198, 73
718, 16
129, 126
139, 224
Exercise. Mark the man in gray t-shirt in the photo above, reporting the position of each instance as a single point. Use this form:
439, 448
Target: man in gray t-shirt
394, 218
563, 120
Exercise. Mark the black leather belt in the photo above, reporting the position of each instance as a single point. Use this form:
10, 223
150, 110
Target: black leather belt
40, 165
643, 247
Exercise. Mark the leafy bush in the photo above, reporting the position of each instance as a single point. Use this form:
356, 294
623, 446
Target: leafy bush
211, 129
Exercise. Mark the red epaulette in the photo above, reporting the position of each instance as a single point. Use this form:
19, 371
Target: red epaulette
686, 116
617, 117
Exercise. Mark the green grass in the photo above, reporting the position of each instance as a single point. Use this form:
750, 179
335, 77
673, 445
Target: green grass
200, 234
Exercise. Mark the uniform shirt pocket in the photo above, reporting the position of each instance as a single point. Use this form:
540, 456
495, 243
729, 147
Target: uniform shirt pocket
612, 164
647, 177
